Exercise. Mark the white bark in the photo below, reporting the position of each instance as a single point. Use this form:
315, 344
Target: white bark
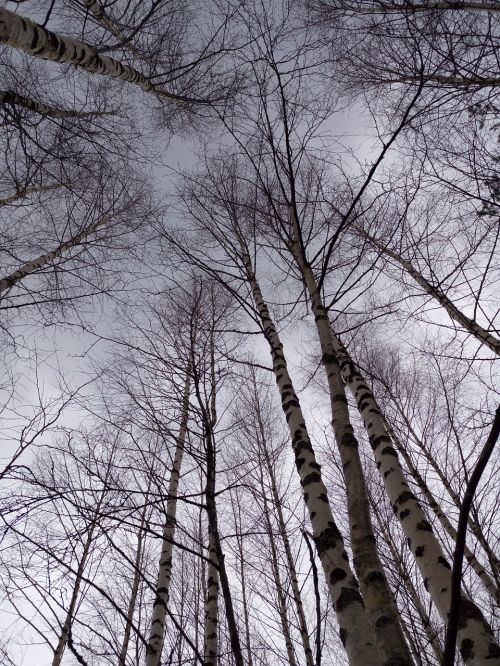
405, 577
282, 609
480, 571
355, 631
157, 630
375, 589
477, 642
68, 622
297, 596
467, 323
135, 587
99, 13
25, 193
22, 33
31, 266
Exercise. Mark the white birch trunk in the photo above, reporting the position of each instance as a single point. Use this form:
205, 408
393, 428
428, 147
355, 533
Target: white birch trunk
405, 577
355, 632
21, 33
157, 630
465, 322
285, 625
375, 589
478, 646
99, 13
31, 266
412, 7
66, 628
474, 526
25, 193
480, 571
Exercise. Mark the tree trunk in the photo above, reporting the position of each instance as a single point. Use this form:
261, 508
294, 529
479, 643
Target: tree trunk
21, 33
209, 422
9, 97
375, 590
482, 574
355, 632
285, 625
211, 606
474, 526
44, 259
478, 645
297, 596
135, 587
465, 322
157, 631
405, 577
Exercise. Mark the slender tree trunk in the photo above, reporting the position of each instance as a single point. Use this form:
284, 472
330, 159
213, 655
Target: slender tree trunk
297, 596
44, 259
355, 632
30, 190
65, 634
100, 14
478, 644
209, 422
375, 590
244, 598
285, 625
465, 322
482, 574
68, 622
135, 587
157, 631
211, 606
9, 97
474, 525
405, 577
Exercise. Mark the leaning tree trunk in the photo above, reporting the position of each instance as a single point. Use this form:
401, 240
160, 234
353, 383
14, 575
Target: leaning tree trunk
474, 525
26, 192
66, 628
65, 634
12, 98
244, 596
482, 574
478, 646
471, 326
157, 631
355, 632
209, 416
44, 259
21, 33
375, 589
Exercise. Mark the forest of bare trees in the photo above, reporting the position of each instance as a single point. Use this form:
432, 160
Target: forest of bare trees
249, 321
